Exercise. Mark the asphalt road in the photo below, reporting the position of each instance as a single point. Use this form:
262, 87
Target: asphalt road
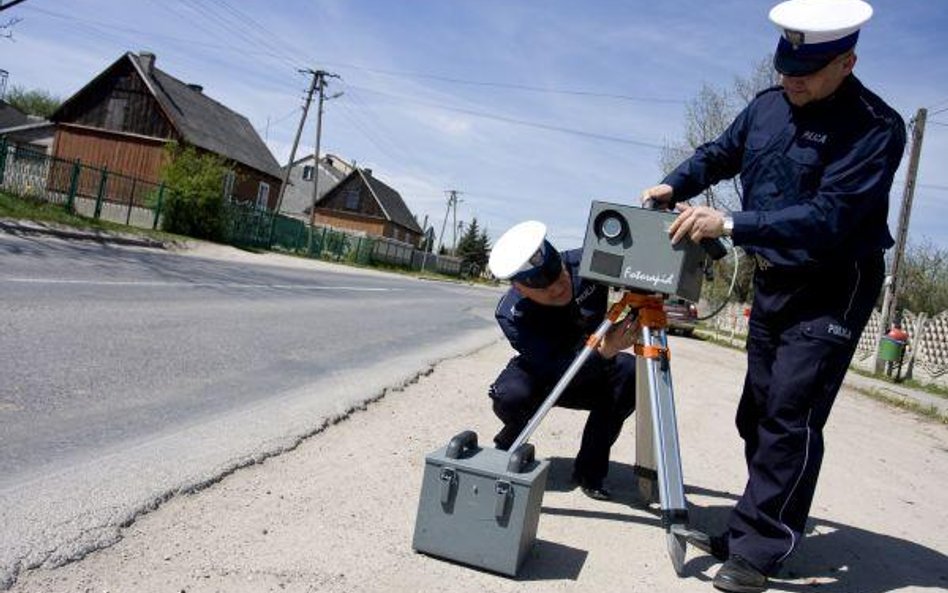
130, 374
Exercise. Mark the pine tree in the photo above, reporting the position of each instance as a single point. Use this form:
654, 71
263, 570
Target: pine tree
473, 249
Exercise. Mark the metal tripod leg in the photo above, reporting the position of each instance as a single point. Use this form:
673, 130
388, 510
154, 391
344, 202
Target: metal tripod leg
658, 457
591, 344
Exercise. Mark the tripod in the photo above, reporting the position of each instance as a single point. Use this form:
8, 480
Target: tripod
658, 458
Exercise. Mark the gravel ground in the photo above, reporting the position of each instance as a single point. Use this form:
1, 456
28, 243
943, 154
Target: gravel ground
336, 513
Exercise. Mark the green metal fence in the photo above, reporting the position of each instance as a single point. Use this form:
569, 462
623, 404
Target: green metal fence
253, 227
90, 191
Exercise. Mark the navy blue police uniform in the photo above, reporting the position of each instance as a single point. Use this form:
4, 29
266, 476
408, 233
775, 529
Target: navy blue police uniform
547, 339
816, 183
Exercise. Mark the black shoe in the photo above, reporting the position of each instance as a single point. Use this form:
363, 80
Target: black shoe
593, 491
716, 545
739, 576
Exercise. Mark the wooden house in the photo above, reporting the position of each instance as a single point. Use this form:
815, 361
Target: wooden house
363, 203
126, 115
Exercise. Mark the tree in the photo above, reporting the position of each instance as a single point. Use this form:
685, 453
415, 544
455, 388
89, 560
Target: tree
195, 205
34, 102
924, 285
473, 248
707, 116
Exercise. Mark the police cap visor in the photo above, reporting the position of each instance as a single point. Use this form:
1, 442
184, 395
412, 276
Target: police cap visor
545, 274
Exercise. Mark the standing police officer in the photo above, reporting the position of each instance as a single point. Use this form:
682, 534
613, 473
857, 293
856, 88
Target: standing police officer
816, 158
547, 314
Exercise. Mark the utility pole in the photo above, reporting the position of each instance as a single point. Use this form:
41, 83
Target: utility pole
892, 282
452, 205
296, 143
424, 243
320, 76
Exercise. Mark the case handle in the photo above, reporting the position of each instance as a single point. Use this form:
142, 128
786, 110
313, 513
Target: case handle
463, 443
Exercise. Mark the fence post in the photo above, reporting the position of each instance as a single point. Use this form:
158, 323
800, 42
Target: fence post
131, 200
3, 158
322, 241
161, 196
73, 186
101, 193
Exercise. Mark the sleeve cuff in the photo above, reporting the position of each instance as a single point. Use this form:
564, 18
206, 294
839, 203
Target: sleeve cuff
745, 226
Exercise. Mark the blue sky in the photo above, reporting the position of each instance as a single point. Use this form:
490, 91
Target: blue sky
530, 108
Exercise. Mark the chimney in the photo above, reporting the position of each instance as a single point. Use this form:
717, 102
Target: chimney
195, 87
367, 171
148, 61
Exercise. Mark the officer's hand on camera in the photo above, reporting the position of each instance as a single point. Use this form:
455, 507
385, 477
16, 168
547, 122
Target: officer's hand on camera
619, 337
660, 195
697, 223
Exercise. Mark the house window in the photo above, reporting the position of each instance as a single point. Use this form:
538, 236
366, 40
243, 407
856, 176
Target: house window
352, 198
115, 113
230, 178
263, 194
307, 172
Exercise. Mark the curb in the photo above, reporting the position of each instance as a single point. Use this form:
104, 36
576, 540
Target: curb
18, 227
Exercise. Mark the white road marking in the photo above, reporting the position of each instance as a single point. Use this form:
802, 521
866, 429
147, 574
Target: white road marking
196, 284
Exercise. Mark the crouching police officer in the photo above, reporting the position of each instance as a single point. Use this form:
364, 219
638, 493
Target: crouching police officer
816, 158
547, 314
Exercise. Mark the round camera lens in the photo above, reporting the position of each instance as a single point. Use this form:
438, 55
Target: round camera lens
611, 227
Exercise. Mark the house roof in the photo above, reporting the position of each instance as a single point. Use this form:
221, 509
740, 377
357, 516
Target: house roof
389, 200
204, 122
199, 120
299, 192
10, 116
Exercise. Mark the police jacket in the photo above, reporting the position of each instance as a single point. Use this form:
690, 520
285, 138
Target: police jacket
815, 178
549, 337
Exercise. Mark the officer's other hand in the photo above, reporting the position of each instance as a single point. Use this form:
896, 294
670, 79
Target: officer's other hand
660, 194
619, 337
696, 223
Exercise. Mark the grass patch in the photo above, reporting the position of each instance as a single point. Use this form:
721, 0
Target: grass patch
21, 208
710, 336
937, 390
929, 412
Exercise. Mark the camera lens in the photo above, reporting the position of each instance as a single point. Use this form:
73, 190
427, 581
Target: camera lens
611, 227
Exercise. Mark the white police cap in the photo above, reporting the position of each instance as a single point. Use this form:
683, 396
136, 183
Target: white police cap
814, 32
523, 255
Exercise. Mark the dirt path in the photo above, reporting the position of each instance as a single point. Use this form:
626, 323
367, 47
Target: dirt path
337, 513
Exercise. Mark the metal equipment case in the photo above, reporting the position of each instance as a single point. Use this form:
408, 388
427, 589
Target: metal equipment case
480, 506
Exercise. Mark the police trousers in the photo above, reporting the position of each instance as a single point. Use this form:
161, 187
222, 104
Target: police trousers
803, 331
604, 387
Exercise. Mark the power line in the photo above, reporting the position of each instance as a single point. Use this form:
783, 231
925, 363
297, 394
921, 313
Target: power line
509, 85
373, 120
362, 129
266, 47
521, 122
253, 29
938, 103
236, 28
